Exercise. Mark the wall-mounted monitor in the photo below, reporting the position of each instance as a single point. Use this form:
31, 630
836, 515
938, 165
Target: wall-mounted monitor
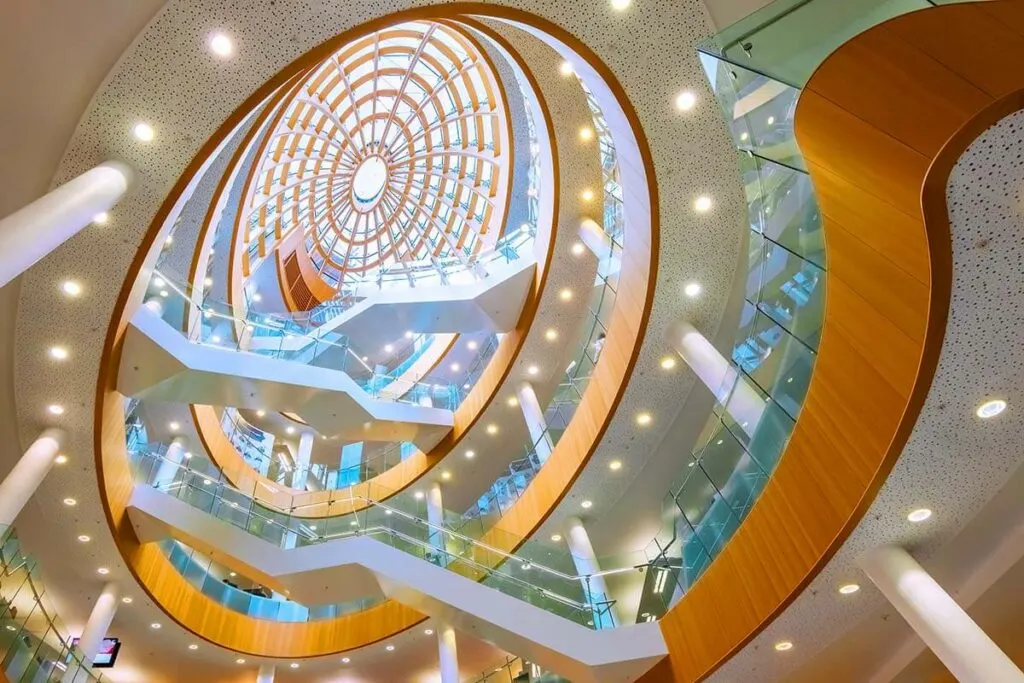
107, 654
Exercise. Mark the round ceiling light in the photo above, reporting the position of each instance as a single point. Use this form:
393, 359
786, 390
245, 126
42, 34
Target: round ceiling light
71, 288
849, 589
990, 408
221, 45
685, 101
143, 132
783, 646
692, 289
919, 515
702, 204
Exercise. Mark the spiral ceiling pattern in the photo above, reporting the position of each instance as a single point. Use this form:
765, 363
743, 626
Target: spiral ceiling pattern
390, 157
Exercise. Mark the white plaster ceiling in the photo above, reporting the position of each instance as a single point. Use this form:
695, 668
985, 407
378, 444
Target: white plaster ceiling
954, 462
169, 79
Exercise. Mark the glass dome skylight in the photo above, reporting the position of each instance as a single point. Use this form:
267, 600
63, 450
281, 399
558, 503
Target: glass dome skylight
389, 159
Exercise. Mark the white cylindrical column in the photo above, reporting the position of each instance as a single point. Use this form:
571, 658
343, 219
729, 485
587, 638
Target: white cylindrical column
302, 458
265, 674
171, 463
30, 233
585, 560
535, 422
435, 517
730, 387
958, 642
95, 629
448, 655
28, 474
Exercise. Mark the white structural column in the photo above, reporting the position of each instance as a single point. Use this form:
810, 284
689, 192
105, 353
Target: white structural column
585, 560
535, 422
941, 623
170, 464
435, 518
30, 233
302, 458
265, 674
448, 655
95, 630
730, 387
28, 474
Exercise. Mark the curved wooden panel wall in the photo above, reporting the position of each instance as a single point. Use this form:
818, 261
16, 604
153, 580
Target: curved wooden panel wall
881, 124
212, 621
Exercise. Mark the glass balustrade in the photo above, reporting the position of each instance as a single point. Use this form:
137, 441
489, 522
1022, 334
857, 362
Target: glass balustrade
223, 586
399, 523
34, 643
756, 69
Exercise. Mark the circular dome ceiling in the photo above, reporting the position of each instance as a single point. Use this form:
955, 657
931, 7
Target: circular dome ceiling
387, 161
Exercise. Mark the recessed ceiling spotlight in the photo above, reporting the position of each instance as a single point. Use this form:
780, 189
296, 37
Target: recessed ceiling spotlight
345, 660
455, 367
174, 426
685, 101
692, 289
428, 632
127, 599
492, 429
551, 334
744, 136
615, 465
102, 218
390, 648
103, 571
783, 646
143, 132
164, 293
586, 505
221, 45
294, 665
55, 409
532, 370
240, 660
470, 455
472, 345
643, 419
512, 401
555, 538
61, 459
578, 249
446, 475
990, 408
70, 502
586, 134
587, 195
771, 120
668, 362
289, 430
193, 646
388, 348
619, 5
919, 515
418, 495
565, 294
849, 589
71, 288
84, 538
565, 68
156, 626
702, 204
58, 353
208, 282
